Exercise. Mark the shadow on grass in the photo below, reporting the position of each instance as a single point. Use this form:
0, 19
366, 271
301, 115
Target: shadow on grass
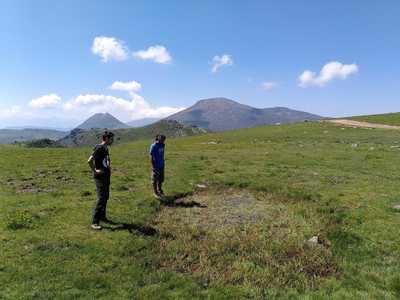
176, 200
133, 228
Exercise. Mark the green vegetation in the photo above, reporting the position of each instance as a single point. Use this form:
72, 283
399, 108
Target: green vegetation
241, 208
388, 119
80, 137
43, 143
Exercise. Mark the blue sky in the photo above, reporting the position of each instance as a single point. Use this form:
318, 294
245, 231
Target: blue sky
52, 75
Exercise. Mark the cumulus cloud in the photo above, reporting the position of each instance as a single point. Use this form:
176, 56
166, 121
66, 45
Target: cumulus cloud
75, 110
330, 71
130, 86
269, 85
127, 109
137, 107
219, 61
109, 48
133, 108
158, 54
46, 101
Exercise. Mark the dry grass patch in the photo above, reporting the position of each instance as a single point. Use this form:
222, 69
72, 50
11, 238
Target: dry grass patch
230, 236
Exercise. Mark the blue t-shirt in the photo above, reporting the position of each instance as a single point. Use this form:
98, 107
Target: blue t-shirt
157, 154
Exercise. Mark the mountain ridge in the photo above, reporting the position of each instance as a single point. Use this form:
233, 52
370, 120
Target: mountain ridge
8, 136
223, 114
102, 120
171, 128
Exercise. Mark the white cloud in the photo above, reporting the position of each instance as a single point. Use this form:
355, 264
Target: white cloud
69, 113
125, 109
330, 71
219, 61
109, 48
158, 54
130, 86
269, 85
8, 112
46, 101
136, 107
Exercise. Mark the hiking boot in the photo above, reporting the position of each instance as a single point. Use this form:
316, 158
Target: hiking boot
96, 226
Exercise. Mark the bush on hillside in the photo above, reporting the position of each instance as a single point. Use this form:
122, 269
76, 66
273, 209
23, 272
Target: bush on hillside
43, 143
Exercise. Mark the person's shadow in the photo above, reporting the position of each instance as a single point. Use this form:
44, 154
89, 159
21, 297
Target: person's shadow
177, 200
132, 228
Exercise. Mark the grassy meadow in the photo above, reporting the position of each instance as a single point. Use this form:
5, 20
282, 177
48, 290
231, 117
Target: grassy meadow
387, 119
240, 209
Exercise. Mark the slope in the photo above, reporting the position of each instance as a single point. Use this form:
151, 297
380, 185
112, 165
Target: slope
264, 192
79, 137
221, 114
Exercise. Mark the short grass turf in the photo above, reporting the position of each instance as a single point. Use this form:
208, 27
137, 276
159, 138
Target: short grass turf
242, 233
387, 119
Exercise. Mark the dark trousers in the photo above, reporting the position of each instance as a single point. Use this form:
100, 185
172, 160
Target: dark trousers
103, 193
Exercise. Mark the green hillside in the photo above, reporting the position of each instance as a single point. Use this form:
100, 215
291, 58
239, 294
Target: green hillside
388, 119
79, 137
8, 136
241, 209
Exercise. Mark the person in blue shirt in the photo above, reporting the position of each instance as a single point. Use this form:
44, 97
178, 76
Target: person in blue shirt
157, 165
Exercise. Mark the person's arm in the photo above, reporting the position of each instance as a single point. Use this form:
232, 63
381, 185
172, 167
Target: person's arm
91, 163
152, 160
93, 166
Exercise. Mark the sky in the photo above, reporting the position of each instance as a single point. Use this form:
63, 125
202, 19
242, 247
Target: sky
62, 61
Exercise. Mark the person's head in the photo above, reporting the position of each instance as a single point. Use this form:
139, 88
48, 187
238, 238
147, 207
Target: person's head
108, 137
160, 138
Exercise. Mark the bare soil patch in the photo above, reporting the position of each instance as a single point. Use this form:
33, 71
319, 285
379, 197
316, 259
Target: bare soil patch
210, 211
229, 236
360, 124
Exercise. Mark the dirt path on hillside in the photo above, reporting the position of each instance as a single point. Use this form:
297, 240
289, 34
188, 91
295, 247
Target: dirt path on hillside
352, 123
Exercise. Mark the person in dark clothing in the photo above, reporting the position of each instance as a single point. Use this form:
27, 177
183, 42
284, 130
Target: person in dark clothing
99, 163
157, 164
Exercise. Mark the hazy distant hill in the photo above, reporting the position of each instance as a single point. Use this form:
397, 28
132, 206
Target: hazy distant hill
8, 136
102, 120
63, 129
142, 122
171, 128
221, 114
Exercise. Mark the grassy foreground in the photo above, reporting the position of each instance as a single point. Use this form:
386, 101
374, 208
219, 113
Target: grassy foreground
242, 233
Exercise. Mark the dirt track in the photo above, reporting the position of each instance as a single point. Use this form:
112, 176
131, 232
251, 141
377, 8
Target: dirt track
352, 123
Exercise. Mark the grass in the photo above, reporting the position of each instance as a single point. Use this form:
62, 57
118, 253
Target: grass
298, 180
231, 237
388, 119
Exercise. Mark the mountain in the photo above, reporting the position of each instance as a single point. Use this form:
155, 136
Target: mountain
8, 136
170, 128
64, 129
142, 122
102, 120
221, 114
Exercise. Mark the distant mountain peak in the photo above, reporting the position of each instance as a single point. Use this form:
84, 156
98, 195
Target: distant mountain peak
221, 114
102, 120
215, 100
